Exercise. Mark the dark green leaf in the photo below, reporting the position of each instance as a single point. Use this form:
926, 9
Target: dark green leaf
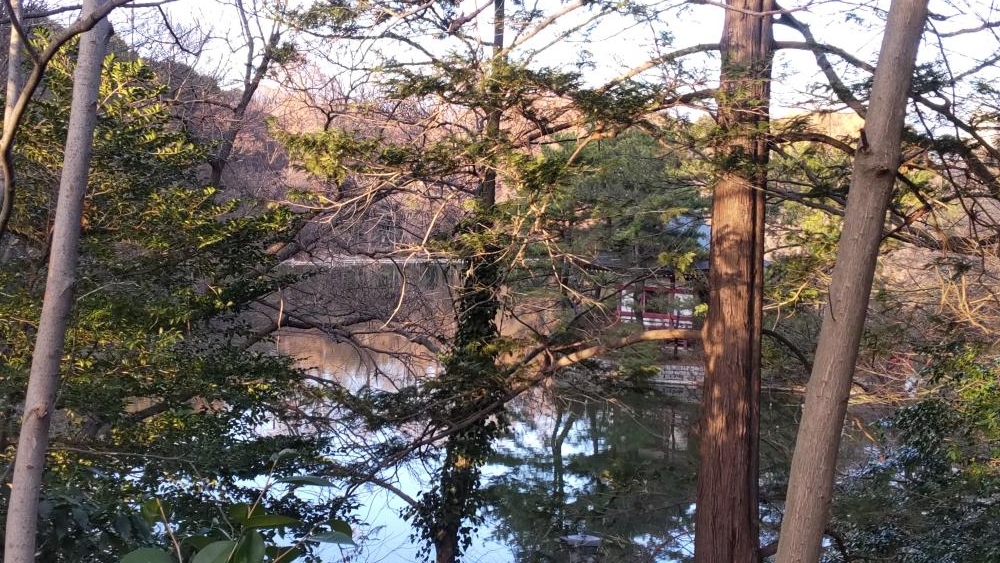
333, 537
270, 521
197, 542
243, 512
123, 525
250, 548
215, 552
340, 526
148, 555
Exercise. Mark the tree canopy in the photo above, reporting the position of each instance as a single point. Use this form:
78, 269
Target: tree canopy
461, 196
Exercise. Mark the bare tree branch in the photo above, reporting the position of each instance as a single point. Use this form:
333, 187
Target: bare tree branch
632, 339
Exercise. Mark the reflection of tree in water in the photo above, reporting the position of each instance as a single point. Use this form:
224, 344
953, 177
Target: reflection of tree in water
623, 464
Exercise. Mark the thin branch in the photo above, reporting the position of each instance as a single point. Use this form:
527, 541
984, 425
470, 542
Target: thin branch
753, 13
820, 51
812, 137
16, 23
177, 40
957, 32
542, 25
456, 24
791, 348
645, 336
76, 7
665, 58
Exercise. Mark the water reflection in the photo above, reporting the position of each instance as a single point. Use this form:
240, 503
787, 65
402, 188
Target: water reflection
620, 461
622, 464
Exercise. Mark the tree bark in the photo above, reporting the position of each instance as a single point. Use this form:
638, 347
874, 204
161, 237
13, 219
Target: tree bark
15, 80
14, 72
726, 528
810, 486
43, 379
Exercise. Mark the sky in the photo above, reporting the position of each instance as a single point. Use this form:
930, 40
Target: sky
617, 47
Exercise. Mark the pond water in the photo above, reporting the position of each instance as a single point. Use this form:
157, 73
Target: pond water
620, 462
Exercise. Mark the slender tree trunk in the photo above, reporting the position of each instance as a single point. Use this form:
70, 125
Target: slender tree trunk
43, 380
218, 161
15, 80
726, 529
810, 486
14, 71
471, 377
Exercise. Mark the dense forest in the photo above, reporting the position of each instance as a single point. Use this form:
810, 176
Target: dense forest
461, 199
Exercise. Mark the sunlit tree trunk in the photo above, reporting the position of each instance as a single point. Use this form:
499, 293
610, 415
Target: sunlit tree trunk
43, 380
14, 71
726, 529
15, 80
810, 486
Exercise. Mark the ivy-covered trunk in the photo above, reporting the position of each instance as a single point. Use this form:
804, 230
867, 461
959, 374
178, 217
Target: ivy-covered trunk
473, 390
472, 384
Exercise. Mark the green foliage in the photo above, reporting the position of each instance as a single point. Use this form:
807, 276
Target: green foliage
798, 278
335, 155
617, 107
932, 494
67, 514
624, 197
248, 534
339, 15
160, 394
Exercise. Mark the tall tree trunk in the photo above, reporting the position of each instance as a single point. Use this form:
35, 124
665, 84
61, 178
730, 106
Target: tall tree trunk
470, 370
14, 71
726, 529
15, 80
810, 486
43, 380
471, 379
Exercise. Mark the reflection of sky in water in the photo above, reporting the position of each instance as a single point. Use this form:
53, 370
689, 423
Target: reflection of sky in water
384, 536
633, 435
524, 470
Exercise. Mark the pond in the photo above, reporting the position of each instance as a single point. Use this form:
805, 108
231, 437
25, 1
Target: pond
619, 462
